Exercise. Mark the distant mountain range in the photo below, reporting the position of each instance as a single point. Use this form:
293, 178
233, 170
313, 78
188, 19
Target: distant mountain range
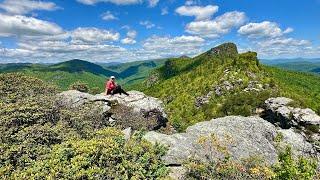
299, 64
293, 60
65, 73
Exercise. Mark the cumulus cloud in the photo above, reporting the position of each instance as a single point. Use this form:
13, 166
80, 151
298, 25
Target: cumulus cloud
265, 29
218, 26
117, 2
26, 6
93, 35
282, 47
167, 46
130, 39
147, 24
18, 25
284, 42
199, 12
108, 16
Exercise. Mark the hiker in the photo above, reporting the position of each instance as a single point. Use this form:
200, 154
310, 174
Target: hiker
112, 87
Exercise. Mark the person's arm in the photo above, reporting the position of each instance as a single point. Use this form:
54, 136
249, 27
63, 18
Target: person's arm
107, 87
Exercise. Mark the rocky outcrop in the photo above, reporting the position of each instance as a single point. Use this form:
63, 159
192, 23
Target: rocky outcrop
135, 111
279, 110
225, 50
243, 136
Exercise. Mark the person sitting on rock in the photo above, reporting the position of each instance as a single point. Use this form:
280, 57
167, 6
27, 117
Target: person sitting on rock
112, 87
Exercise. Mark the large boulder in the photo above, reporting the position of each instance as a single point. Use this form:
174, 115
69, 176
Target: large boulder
243, 136
136, 110
280, 111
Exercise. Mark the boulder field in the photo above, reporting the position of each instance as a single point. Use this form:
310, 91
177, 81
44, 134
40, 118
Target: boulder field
243, 137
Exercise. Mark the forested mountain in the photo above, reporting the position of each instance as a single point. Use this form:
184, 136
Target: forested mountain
69, 72
222, 82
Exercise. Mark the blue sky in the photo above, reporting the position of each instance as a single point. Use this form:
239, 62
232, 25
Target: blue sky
127, 30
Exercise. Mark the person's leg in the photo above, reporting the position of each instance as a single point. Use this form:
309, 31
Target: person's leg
120, 90
116, 91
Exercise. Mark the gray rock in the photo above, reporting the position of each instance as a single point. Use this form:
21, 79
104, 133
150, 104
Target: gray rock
127, 133
121, 109
299, 144
243, 136
280, 108
177, 173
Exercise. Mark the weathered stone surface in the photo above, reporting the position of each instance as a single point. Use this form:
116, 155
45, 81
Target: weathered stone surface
279, 109
248, 136
136, 110
298, 142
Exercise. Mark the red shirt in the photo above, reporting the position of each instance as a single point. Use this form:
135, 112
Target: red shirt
110, 85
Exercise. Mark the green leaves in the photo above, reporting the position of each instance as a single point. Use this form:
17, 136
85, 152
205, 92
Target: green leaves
105, 156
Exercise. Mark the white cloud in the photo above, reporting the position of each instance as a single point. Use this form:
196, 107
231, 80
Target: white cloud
93, 35
147, 24
108, 16
18, 25
284, 42
280, 47
132, 34
218, 26
164, 11
128, 41
177, 46
191, 2
117, 2
265, 29
199, 12
153, 3
288, 30
26, 6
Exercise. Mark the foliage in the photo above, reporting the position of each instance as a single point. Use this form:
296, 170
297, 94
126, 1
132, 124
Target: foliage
106, 156
302, 87
181, 81
35, 134
79, 86
296, 169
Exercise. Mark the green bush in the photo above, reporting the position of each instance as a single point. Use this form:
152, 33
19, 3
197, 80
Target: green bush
106, 156
294, 169
79, 86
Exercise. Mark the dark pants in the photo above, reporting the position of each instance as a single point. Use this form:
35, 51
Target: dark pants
117, 90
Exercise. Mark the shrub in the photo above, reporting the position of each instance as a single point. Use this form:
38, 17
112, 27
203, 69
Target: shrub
295, 169
106, 156
79, 86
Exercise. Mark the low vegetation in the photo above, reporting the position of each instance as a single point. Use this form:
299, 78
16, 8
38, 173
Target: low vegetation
40, 140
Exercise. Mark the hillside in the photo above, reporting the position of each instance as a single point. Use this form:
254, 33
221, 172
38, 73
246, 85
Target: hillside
66, 73
134, 73
222, 82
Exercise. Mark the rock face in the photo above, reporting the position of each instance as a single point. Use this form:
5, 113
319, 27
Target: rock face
225, 50
243, 137
135, 111
279, 110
